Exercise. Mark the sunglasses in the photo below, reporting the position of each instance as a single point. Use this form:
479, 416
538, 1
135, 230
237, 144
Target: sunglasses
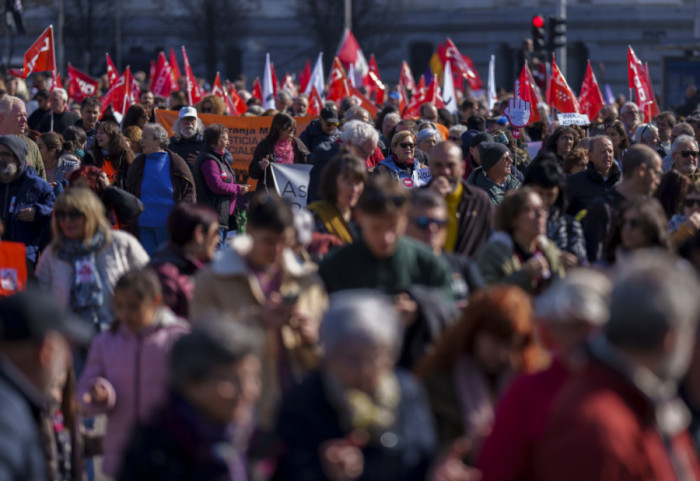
73, 214
406, 145
688, 153
691, 202
424, 222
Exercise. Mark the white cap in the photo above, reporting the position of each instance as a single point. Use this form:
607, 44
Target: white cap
187, 112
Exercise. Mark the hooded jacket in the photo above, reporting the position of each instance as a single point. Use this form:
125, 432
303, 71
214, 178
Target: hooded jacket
313, 135
27, 189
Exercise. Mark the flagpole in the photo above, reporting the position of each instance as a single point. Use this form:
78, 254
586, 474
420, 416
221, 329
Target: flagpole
348, 14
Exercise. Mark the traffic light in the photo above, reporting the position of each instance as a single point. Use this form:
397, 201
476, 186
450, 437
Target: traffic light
538, 41
556, 33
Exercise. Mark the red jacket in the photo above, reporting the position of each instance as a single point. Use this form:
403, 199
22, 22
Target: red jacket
603, 428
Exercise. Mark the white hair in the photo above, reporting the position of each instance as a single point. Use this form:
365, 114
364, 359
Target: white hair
159, 133
7, 102
644, 131
583, 295
681, 139
357, 132
391, 116
62, 93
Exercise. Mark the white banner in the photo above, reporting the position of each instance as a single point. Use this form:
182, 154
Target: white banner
292, 183
573, 119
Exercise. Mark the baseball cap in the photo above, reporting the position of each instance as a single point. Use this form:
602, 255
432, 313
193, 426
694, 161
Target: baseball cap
330, 115
187, 112
30, 314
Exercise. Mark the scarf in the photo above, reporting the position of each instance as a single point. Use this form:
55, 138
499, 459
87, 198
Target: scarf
284, 152
87, 295
332, 220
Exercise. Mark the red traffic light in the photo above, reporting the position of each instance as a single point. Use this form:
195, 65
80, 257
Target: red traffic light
538, 21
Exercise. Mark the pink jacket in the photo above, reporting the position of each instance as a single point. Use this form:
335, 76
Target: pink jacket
133, 369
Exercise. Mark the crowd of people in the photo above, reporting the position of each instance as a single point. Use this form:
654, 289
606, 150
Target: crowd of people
450, 305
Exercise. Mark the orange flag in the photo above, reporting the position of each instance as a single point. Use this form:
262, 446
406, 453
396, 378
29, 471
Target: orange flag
338, 87
591, 98
40, 57
559, 94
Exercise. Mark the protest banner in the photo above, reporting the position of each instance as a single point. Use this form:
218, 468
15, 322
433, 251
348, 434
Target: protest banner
292, 182
573, 119
245, 133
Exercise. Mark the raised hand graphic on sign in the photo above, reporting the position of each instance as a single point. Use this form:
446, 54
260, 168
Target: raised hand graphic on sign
518, 110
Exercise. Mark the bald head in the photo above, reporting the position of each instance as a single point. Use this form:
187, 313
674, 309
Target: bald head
446, 161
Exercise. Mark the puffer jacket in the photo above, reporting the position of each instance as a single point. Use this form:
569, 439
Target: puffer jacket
133, 368
478, 178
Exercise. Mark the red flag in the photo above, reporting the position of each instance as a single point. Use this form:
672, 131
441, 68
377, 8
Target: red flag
174, 66
365, 103
218, 89
591, 99
288, 85
462, 65
406, 78
350, 54
152, 71
653, 107
338, 87
257, 89
275, 82
112, 72
529, 92
194, 91
373, 82
305, 76
238, 103
162, 83
637, 80
315, 102
56, 82
559, 94
121, 95
40, 57
417, 100
403, 99
434, 95
80, 84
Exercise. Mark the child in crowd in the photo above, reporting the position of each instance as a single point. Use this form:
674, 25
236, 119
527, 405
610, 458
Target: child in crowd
126, 372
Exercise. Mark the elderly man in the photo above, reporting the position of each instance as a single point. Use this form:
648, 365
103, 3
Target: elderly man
629, 114
60, 116
469, 210
665, 122
13, 121
34, 355
188, 140
601, 174
389, 122
641, 175
681, 128
494, 176
26, 200
300, 107
283, 101
648, 134
685, 156
428, 112
90, 114
323, 130
358, 137
619, 414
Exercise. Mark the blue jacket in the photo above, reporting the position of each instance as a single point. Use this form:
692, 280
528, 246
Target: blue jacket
27, 190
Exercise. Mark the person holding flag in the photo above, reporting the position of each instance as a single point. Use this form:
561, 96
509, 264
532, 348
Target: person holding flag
60, 116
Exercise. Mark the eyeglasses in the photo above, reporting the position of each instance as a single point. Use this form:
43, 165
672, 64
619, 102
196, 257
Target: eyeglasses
73, 214
424, 222
688, 153
406, 145
632, 223
691, 202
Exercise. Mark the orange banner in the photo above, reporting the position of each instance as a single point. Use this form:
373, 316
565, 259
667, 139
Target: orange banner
245, 133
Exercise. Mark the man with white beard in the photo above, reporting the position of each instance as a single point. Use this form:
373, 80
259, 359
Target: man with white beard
684, 152
619, 413
188, 140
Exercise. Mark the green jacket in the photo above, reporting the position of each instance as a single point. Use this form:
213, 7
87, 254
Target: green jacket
478, 178
355, 267
499, 264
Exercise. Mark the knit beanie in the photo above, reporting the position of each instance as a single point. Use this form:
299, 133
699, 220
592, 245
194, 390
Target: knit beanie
490, 153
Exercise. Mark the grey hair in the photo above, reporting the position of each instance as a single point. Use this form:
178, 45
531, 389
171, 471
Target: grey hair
360, 316
627, 106
426, 134
682, 139
457, 130
7, 102
159, 133
212, 344
178, 134
653, 293
284, 95
63, 94
354, 113
357, 132
644, 131
391, 116
583, 295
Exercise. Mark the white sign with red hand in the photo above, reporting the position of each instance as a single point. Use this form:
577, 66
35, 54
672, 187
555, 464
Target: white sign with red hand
518, 110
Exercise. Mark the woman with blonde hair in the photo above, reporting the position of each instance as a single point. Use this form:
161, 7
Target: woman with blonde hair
402, 164
86, 257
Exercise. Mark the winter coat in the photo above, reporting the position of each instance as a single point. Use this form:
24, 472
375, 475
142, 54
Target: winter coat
133, 368
265, 150
227, 288
585, 187
598, 221
186, 147
308, 419
26, 190
499, 263
313, 135
478, 178
176, 270
221, 203
567, 234
180, 175
121, 254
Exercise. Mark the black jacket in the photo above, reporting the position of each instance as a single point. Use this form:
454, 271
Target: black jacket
583, 188
313, 135
598, 221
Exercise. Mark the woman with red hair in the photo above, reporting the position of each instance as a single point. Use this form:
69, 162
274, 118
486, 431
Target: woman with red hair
475, 360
